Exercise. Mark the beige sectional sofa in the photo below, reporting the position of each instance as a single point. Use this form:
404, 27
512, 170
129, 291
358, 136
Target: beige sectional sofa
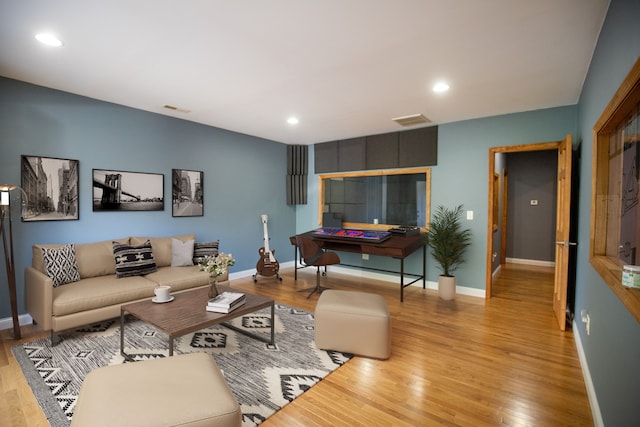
99, 292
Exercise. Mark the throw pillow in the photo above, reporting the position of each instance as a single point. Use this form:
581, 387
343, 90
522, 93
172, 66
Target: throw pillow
201, 250
134, 260
181, 253
60, 264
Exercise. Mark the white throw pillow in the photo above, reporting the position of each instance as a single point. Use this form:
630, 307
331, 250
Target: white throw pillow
181, 253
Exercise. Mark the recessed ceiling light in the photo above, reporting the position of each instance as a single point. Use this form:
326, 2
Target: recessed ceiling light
293, 120
440, 87
48, 39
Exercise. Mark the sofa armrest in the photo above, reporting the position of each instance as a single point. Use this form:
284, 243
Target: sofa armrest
38, 290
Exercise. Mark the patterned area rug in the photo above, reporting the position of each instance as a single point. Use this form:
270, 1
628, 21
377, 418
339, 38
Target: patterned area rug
262, 377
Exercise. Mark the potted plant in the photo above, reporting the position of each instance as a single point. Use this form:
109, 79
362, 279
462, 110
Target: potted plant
448, 241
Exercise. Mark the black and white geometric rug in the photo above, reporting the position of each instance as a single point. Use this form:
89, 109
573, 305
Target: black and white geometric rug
262, 377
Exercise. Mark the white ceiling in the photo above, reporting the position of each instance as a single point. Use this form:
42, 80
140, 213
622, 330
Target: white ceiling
345, 68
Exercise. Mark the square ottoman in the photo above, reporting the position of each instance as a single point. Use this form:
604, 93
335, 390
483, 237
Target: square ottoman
184, 390
353, 322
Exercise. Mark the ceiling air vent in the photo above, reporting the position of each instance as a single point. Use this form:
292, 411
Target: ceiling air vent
180, 110
414, 119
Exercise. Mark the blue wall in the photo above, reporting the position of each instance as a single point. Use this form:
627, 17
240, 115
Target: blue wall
244, 176
612, 349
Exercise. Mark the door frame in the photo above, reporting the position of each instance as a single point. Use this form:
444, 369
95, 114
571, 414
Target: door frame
556, 145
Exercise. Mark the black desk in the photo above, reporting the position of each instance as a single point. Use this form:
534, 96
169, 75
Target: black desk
398, 247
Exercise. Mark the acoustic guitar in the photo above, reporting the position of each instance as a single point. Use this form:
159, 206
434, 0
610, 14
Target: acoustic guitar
267, 265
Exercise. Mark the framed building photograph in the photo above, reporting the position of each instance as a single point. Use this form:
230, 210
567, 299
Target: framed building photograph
50, 188
127, 191
186, 193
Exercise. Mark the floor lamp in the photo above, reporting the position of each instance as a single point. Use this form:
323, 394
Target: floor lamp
5, 214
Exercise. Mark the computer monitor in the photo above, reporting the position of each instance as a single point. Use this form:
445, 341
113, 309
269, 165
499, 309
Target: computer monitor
332, 220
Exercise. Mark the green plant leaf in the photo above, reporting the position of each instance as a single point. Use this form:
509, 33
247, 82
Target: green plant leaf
447, 239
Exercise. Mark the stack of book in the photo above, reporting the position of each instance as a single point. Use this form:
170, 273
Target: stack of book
225, 302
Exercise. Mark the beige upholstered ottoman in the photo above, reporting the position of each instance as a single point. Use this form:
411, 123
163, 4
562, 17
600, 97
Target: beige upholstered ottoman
185, 390
353, 322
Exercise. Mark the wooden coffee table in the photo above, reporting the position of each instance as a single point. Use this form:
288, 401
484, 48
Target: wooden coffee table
187, 313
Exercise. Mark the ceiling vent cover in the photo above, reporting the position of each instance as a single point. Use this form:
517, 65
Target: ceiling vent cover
414, 119
174, 108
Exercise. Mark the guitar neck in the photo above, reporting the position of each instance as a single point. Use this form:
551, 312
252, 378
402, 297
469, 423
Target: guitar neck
265, 219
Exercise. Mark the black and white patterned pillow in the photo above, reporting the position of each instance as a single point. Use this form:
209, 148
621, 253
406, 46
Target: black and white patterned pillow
60, 264
134, 260
202, 249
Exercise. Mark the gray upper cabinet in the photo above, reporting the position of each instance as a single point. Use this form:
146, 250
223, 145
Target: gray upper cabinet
351, 154
412, 148
418, 147
382, 151
326, 157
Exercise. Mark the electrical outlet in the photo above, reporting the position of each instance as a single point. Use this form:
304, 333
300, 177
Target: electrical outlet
365, 256
469, 215
586, 318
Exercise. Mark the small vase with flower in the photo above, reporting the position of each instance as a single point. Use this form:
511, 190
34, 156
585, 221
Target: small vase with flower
216, 265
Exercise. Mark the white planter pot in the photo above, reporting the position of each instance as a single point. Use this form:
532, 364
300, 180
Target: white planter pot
447, 287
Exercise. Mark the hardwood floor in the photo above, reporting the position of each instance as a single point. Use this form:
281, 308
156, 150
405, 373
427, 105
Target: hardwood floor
467, 362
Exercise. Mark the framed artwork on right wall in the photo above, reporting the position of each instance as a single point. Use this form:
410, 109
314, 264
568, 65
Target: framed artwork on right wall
187, 198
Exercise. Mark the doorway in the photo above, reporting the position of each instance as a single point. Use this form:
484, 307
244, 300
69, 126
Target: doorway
557, 242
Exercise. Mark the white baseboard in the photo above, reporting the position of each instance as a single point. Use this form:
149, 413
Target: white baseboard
496, 272
531, 262
591, 391
390, 277
23, 319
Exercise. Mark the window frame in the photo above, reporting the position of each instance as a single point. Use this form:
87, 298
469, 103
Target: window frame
380, 172
610, 268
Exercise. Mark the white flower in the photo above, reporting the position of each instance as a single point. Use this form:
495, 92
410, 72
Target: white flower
217, 265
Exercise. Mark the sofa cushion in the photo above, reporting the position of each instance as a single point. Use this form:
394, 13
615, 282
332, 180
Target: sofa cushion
179, 278
133, 260
181, 253
97, 292
162, 247
60, 264
203, 249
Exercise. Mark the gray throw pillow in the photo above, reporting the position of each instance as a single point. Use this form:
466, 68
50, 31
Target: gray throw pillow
181, 253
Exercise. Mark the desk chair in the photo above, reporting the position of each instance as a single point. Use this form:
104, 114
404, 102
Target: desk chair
314, 255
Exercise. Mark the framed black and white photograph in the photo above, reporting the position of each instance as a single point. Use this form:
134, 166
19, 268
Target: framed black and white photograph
186, 193
127, 191
50, 188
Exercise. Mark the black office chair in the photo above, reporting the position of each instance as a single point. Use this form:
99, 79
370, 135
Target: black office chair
314, 255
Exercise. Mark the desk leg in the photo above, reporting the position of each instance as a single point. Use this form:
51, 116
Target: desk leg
424, 267
295, 262
401, 279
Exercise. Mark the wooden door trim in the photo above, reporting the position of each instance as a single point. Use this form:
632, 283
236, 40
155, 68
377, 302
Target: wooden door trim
541, 146
504, 213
